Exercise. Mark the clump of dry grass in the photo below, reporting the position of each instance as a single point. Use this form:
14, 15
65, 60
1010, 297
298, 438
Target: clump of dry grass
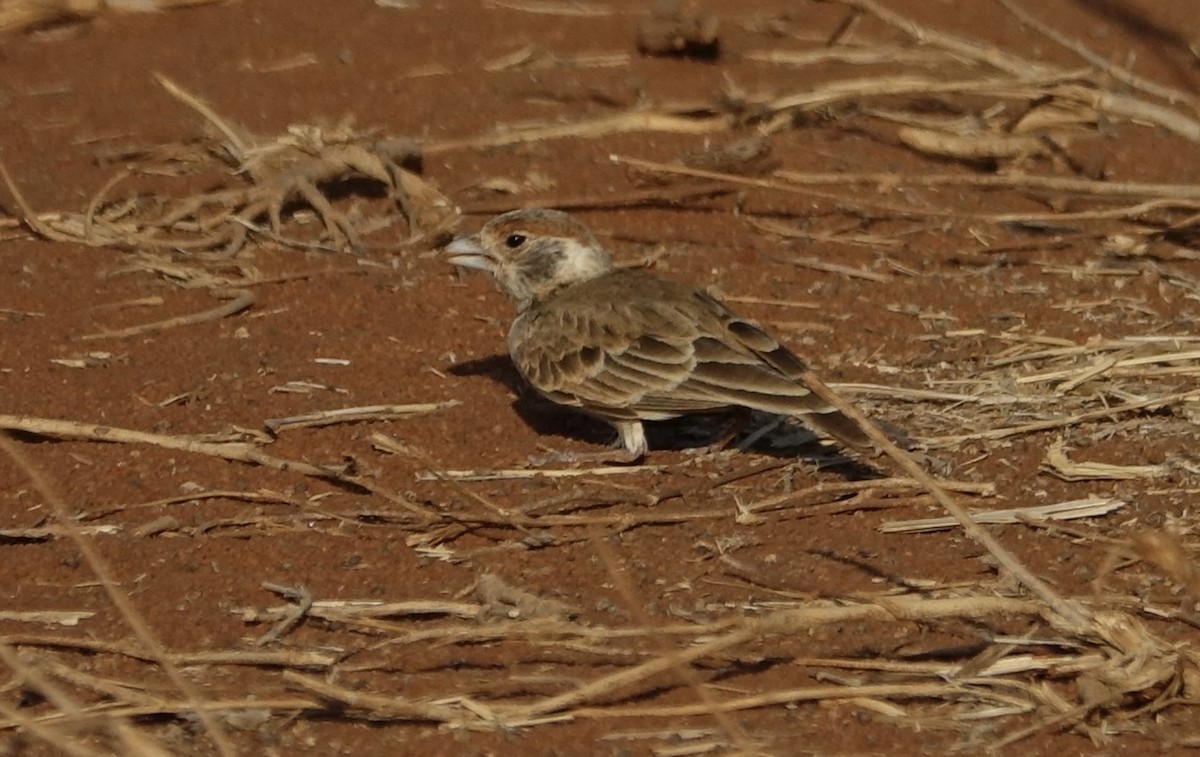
302, 167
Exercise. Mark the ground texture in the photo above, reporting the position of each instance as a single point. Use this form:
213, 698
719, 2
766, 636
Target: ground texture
976, 221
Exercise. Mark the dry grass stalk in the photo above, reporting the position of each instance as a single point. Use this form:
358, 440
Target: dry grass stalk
506, 474
976, 146
644, 197
354, 415
544, 7
1081, 508
531, 57
45, 533
621, 123
224, 708
346, 611
1058, 464
795, 182
237, 301
840, 237
889, 55
371, 706
56, 617
287, 658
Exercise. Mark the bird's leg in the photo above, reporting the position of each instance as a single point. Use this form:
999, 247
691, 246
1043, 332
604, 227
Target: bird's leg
632, 439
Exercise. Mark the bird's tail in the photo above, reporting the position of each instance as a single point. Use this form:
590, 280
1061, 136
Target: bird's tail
841, 429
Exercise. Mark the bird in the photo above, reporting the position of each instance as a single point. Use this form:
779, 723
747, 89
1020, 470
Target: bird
628, 346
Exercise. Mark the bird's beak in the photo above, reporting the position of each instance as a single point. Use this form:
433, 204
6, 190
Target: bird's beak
468, 253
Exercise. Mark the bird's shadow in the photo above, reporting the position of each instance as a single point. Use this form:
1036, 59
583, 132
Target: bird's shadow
687, 432
540, 414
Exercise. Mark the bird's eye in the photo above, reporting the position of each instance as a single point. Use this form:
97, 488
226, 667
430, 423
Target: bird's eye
513, 241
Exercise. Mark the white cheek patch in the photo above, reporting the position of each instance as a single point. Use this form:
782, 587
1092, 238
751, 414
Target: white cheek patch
580, 262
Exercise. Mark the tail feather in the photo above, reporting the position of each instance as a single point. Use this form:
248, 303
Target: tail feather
839, 428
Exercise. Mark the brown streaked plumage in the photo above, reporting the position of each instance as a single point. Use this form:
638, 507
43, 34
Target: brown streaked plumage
627, 346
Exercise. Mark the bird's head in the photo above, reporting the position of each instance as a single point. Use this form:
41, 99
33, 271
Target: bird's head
532, 253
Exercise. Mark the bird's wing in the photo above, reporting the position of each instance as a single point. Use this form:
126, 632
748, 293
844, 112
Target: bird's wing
651, 349
617, 359
779, 363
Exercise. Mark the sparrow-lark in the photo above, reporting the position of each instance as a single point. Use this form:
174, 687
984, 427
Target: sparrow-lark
627, 346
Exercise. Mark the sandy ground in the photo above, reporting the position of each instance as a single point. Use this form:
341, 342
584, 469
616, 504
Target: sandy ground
1002, 267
